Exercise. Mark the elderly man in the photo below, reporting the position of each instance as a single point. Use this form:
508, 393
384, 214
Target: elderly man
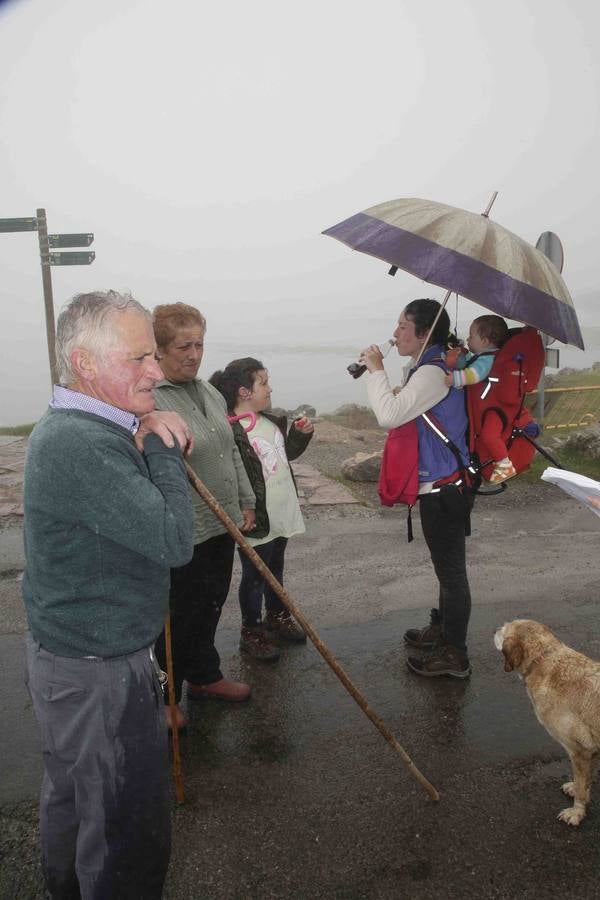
108, 512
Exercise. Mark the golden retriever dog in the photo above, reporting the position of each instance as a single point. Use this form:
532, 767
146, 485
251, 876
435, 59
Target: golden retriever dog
564, 687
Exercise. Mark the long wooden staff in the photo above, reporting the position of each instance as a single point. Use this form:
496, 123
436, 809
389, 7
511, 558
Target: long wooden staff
312, 634
179, 796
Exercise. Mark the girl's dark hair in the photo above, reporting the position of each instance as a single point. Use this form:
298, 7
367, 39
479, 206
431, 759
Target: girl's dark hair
422, 312
236, 374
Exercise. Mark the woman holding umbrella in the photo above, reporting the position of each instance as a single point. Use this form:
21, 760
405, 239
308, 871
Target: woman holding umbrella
445, 501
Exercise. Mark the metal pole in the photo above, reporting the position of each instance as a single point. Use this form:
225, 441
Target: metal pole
549, 244
541, 399
486, 212
42, 229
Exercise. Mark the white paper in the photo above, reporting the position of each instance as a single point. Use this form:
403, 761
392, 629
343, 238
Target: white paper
582, 488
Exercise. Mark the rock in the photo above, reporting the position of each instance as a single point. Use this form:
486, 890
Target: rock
349, 408
362, 466
586, 442
303, 410
552, 441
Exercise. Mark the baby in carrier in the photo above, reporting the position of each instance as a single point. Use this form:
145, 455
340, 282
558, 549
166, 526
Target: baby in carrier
486, 335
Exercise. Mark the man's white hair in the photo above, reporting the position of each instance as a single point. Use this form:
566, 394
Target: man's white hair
85, 321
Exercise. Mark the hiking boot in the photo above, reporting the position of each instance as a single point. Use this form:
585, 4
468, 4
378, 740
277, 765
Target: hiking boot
281, 625
428, 637
502, 471
444, 660
254, 642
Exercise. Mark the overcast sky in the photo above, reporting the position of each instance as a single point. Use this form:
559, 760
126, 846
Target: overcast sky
207, 145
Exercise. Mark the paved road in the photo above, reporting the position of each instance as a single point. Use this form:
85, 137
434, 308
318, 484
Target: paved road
295, 795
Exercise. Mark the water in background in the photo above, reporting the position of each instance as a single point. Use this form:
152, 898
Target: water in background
316, 373
306, 352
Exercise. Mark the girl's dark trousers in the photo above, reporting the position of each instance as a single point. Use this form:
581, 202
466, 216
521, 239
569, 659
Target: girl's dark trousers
198, 592
253, 586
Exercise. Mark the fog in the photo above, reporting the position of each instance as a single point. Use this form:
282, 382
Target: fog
208, 145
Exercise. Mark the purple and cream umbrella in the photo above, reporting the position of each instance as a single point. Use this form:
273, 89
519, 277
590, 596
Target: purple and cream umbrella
467, 254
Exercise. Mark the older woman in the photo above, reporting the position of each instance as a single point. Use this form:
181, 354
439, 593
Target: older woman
444, 500
199, 589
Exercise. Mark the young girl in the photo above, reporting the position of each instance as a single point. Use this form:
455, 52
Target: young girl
265, 451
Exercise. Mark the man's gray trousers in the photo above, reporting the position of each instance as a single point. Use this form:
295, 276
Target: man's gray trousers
104, 807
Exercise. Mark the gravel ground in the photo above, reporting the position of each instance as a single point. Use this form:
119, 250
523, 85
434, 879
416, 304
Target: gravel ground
338, 578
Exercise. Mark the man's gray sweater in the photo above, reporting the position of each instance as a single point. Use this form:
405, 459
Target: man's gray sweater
104, 524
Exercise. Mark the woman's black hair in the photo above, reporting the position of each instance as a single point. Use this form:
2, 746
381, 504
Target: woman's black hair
423, 312
236, 374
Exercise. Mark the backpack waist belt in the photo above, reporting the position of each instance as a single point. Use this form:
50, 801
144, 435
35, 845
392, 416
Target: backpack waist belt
456, 478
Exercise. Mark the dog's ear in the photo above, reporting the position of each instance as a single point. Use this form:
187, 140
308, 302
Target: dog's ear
512, 649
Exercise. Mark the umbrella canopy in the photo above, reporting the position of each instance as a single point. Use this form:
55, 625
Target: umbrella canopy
466, 253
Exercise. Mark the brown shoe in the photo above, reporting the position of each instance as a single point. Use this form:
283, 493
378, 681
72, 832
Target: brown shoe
224, 689
444, 660
179, 717
425, 638
282, 626
254, 642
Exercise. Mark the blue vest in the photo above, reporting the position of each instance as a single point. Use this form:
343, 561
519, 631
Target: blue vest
435, 459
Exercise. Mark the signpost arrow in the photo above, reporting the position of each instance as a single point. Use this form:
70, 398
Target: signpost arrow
26, 224
70, 240
72, 259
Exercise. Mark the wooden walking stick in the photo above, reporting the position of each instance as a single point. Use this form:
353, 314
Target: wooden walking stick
177, 775
310, 631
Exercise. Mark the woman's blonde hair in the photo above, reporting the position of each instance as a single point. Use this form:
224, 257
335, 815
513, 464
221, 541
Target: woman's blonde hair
169, 317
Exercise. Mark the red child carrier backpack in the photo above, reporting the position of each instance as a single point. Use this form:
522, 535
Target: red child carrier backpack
515, 372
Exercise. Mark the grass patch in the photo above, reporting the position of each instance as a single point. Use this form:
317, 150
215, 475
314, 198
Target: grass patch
569, 459
18, 430
577, 378
352, 416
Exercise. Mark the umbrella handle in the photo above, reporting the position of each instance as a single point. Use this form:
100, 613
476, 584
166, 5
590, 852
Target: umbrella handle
435, 321
245, 415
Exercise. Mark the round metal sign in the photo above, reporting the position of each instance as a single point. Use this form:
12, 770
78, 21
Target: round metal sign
550, 245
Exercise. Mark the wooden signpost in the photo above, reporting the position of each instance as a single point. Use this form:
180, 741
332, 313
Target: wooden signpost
47, 259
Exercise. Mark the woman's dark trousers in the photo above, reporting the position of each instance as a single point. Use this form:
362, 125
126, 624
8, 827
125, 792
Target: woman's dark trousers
443, 526
198, 592
253, 586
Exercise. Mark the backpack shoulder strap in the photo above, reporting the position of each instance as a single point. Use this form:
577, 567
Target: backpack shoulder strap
433, 424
